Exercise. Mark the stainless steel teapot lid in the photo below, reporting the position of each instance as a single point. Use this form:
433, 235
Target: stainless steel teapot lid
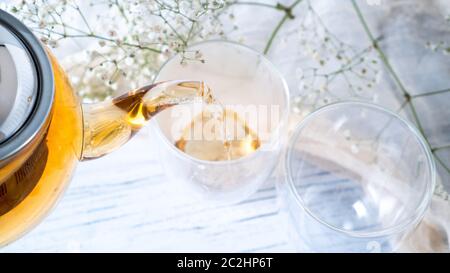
17, 84
26, 85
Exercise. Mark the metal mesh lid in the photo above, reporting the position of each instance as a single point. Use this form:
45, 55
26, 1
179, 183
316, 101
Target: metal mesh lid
18, 84
26, 86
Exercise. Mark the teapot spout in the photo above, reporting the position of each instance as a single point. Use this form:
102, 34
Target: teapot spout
110, 124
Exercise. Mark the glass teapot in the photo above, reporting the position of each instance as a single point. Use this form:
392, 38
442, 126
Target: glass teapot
45, 131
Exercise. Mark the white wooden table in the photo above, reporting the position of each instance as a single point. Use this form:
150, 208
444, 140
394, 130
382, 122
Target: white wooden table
123, 202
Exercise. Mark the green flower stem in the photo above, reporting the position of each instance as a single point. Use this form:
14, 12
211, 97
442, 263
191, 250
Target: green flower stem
288, 15
274, 33
378, 49
438, 159
386, 62
98, 37
431, 93
250, 3
406, 94
441, 148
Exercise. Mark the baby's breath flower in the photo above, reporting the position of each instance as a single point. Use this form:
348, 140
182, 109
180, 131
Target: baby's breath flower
133, 37
331, 60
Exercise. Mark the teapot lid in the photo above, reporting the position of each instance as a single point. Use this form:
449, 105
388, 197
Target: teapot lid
26, 86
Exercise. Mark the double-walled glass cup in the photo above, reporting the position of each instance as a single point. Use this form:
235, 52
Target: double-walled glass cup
241, 80
358, 178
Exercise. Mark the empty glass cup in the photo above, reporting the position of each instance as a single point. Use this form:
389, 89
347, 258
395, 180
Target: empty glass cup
241, 80
357, 178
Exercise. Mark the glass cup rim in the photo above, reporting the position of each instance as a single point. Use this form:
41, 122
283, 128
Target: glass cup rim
398, 227
279, 127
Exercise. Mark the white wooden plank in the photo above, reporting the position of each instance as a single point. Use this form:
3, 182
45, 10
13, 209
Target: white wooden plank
123, 202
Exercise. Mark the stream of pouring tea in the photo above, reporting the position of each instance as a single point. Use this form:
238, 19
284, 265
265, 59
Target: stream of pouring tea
110, 124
